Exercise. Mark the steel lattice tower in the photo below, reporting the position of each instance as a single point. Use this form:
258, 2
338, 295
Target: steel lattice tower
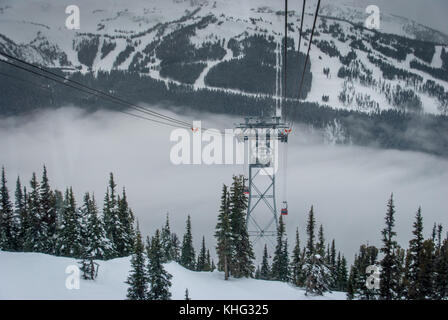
263, 137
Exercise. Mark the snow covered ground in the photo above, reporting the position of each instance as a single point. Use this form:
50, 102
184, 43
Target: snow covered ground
41, 276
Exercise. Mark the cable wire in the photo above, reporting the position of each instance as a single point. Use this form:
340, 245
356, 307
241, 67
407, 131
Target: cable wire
137, 107
307, 56
86, 91
309, 47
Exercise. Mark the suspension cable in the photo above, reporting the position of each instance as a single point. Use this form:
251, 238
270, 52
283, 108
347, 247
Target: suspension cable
307, 57
98, 92
285, 148
309, 46
24, 80
87, 92
285, 58
301, 25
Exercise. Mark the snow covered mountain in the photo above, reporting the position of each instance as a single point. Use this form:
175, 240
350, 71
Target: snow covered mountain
232, 46
32, 276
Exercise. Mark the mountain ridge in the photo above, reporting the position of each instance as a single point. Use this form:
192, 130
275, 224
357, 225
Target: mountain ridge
209, 30
369, 86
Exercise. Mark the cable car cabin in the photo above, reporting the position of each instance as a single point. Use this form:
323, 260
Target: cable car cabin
246, 190
284, 211
283, 137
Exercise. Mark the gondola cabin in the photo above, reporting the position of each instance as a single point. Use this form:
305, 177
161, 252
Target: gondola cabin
284, 210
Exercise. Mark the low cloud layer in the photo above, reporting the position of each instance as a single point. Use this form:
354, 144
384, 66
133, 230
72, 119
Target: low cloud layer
348, 186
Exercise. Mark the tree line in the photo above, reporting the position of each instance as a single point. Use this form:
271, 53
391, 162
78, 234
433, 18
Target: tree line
48, 221
416, 273
386, 128
45, 220
317, 267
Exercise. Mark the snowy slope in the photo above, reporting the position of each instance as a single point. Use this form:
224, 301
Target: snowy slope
40, 276
390, 23
36, 32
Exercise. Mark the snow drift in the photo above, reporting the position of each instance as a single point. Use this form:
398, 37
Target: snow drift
39, 276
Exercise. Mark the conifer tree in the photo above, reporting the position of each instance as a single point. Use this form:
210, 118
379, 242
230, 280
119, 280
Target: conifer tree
112, 221
351, 283
402, 281
159, 279
285, 257
441, 281
320, 247
68, 242
223, 235
25, 224
316, 274
297, 262
47, 203
342, 275
280, 262
187, 258
138, 277
148, 246
99, 246
175, 247
20, 213
167, 241
9, 224
91, 245
208, 262
83, 214
439, 274
367, 256
332, 264
406, 275
242, 254
35, 231
59, 209
125, 230
265, 271
414, 273
427, 269
434, 233
87, 264
310, 228
389, 274
336, 274
439, 237
202, 257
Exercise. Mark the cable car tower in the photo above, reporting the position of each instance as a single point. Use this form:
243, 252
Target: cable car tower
263, 136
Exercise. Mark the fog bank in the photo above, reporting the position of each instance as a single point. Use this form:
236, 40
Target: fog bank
349, 186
